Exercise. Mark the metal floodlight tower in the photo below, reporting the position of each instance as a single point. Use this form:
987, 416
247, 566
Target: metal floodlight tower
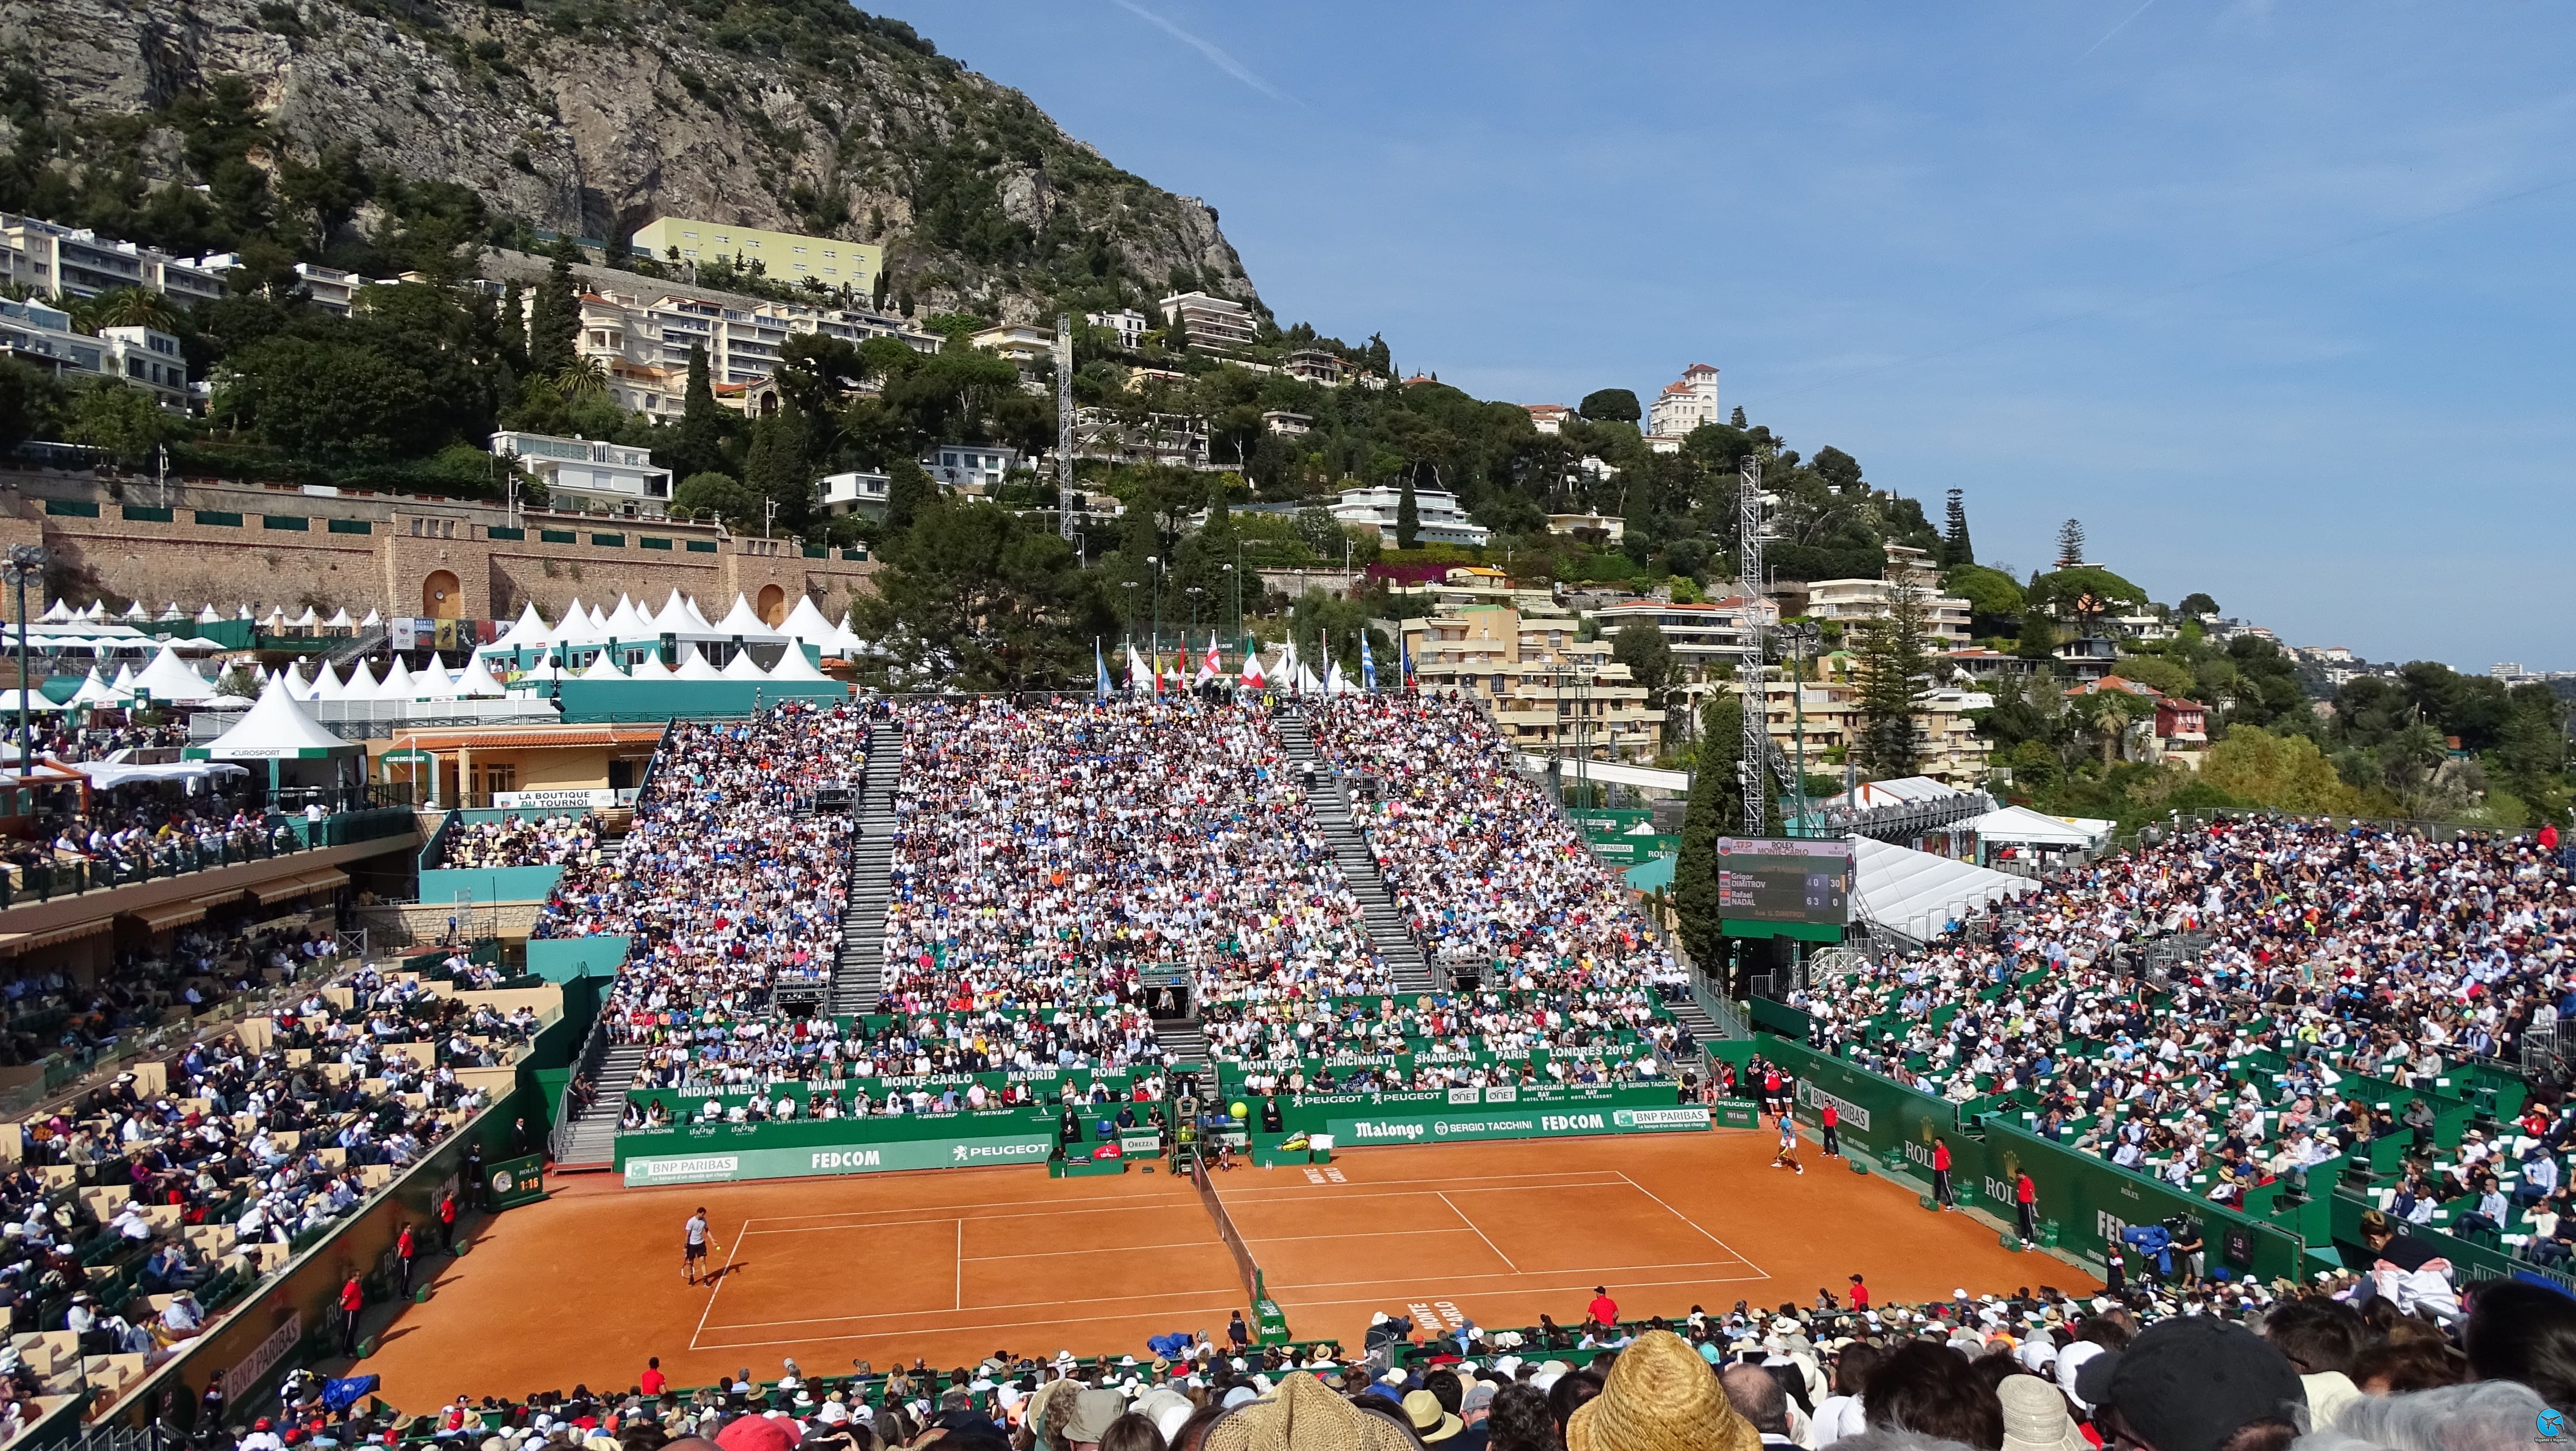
1748, 556
1064, 425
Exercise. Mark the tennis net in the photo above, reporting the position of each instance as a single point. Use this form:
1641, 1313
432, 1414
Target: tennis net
1225, 1230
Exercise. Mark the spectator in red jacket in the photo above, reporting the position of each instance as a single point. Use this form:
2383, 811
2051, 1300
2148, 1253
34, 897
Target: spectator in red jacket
353, 1302
1603, 1310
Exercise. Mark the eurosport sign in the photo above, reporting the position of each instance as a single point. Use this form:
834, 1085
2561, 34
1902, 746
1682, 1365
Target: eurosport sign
899, 1154
1529, 1123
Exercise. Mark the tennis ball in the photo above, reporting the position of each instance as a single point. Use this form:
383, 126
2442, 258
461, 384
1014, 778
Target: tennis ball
1240, 1110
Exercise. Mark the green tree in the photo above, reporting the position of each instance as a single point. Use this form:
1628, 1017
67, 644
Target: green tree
719, 494
2087, 592
1176, 334
973, 595
1614, 405
554, 316
129, 307
333, 403
909, 490
1408, 516
2070, 544
1649, 657
1994, 599
697, 445
128, 422
1956, 550
1891, 663
23, 402
2283, 772
2532, 750
2197, 606
2038, 638
1716, 809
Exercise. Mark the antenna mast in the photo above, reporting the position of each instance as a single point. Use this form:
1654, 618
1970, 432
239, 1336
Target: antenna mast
1750, 771
1064, 425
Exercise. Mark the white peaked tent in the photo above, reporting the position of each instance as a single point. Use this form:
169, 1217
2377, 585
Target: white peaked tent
1916, 892
478, 684
58, 614
625, 624
527, 632
695, 667
94, 691
371, 621
172, 679
1307, 684
136, 612
309, 620
171, 611
340, 620
96, 611
674, 615
649, 668
806, 625
242, 612
743, 667
276, 620
846, 642
361, 684
793, 666
259, 673
744, 621
123, 684
207, 615
276, 729
598, 618
603, 668
326, 686
2021, 826
398, 683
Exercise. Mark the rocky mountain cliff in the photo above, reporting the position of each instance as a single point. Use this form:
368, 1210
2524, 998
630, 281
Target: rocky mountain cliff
590, 117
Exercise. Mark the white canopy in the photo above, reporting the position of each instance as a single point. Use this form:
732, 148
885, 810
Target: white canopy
135, 611
242, 612
576, 628
806, 624
36, 703
1917, 893
326, 686
528, 631
276, 729
107, 776
794, 666
478, 683
208, 616
743, 667
845, 642
123, 684
94, 691
171, 611
371, 621
624, 623
2021, 826
308, 620
339, 620
170, 678
649, 668
398, 683
694, 666
744, 621
276, 619
603, 668
361, 684
59, 614
674, 614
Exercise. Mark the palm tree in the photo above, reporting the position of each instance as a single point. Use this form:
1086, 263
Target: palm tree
125, 307
581, 378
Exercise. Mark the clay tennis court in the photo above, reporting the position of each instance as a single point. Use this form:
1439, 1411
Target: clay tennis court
953, 1265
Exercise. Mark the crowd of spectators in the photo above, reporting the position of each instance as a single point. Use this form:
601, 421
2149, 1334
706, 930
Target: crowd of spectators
524, 841
45, 1011
2253, 999
727, 884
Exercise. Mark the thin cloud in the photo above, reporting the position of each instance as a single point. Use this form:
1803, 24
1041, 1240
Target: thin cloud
1215, 53
2097, 45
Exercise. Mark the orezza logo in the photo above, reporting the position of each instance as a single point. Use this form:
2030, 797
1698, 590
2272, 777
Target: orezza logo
1407, 1132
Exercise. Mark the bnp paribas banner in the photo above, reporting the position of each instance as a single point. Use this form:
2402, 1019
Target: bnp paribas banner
1524, 1123
718, 1165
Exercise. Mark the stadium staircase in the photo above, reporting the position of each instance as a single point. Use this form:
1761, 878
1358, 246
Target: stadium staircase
1332, 807
858, 976
1185, 1044
591, 1142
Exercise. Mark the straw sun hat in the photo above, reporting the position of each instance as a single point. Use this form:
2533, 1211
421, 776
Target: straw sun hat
1660, 1397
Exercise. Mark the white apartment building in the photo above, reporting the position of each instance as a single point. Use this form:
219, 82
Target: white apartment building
41, 336
55, 260
1854, 601
1685, 404
1547, 690
1216, 324
1126, 322
1435, 510
981, 466
1174, 440
1314, 365
1700, 635
586, 473
643, 345
1548, 417
854, 493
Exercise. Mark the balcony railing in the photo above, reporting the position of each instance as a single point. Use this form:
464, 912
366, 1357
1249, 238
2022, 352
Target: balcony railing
279, 836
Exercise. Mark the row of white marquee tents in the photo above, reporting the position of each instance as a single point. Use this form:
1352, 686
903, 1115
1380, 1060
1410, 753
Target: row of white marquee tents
679, 618
276, 618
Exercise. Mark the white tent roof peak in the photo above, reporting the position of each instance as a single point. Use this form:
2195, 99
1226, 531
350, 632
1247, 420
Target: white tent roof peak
603, 668
794, 666
371, 621
339, 620
743, 667
94, 691
1917, 893
398, 683
478, 683
806, 623
625, 623
674, 614
361, 683
694, 666
744, 621
170, 678
58, 614
326, 686
277, 728
135, 611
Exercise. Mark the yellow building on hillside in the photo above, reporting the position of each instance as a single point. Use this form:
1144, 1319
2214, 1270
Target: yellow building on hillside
783, 255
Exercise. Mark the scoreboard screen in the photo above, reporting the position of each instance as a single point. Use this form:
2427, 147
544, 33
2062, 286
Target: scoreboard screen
1801, 881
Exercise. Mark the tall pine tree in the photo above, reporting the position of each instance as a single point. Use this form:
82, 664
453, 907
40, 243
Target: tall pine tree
1716, 809
554, 318
1892, 660
1408, 516
705, 424
1955, 548
2070, 544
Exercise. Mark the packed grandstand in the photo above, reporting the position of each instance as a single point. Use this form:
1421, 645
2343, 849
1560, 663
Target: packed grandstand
2220, 1009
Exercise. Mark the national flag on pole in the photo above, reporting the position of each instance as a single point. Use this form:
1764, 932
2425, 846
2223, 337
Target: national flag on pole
1100, 672
1368, 666
1253, 678
1404, 662
1213, 664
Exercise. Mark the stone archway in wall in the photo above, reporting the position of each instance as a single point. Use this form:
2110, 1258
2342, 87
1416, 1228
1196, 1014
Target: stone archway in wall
441, 596
772, 605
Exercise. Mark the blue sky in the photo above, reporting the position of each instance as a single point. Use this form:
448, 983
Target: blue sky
2274, 297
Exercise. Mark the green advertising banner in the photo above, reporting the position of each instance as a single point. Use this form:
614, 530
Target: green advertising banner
513, 1182
717, 1165
1535, 1121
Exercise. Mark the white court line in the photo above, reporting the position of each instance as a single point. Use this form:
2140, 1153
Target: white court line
1023, 1305
960, 1257
719, 1289
1596, 1271
1363, 1234
1480, 1234
1176, 1204
1459, 1179
1337, 1197
978, 1218
1286, 1303
1211, 1242
1693, 1223
1012, 1324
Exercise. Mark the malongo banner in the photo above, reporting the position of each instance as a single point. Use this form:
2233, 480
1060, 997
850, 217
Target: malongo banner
716, 1164
1528, 1122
